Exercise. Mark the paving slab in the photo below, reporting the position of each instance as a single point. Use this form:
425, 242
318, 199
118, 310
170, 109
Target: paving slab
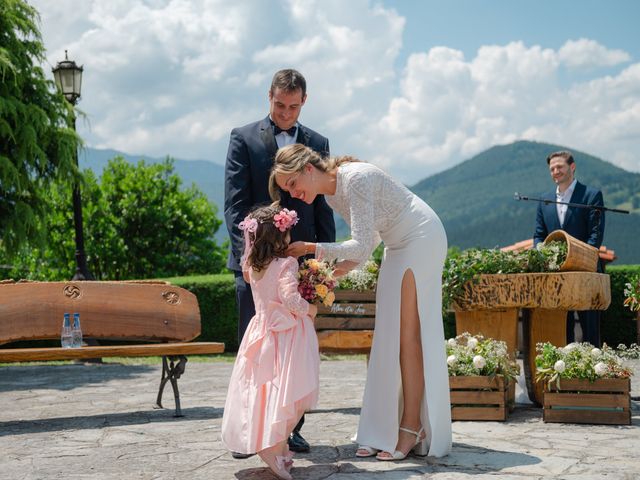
97, 421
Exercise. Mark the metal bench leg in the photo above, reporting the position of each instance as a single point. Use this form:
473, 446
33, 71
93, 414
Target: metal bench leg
171, 373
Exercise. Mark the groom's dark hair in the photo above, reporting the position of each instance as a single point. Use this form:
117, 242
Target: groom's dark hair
289, 80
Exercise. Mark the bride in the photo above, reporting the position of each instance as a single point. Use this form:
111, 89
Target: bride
406, 402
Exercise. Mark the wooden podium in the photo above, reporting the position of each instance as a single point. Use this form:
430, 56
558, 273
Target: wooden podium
491, 306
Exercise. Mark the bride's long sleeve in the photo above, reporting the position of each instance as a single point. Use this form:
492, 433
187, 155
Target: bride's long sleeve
364, 237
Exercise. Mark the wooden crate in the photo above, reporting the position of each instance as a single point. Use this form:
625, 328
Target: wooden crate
480, 398
347, 326
606, 401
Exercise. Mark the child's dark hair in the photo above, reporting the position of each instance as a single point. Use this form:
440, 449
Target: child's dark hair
268, 241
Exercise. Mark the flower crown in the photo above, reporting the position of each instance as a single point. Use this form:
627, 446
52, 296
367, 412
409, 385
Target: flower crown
283, 221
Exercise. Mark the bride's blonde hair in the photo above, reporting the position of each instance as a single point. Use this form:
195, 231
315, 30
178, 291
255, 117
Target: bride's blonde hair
293, 158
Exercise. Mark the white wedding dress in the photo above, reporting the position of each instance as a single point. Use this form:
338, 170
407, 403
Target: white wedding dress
377, 207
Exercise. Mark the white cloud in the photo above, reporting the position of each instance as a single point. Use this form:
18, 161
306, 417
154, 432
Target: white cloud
450, 109
174, 76
585, 53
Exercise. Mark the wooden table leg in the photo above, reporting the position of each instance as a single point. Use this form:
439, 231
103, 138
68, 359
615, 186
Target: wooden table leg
499, 324
541, 325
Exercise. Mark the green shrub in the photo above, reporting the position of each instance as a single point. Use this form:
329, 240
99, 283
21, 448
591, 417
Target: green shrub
218, 312
618, 323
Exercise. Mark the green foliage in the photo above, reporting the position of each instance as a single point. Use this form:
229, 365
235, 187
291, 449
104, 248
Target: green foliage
217, 299
37, 145
465, 266
138, 223
632, 294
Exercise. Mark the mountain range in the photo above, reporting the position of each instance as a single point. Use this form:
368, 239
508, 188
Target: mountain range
474, 199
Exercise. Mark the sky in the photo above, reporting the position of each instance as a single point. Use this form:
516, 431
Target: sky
414, 86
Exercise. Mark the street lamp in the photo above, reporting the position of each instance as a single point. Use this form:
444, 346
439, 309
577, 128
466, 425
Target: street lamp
68, 77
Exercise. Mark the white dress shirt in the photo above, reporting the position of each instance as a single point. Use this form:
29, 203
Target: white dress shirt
564, 197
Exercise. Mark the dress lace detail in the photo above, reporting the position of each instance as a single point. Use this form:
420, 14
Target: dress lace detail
370, 201
288, 283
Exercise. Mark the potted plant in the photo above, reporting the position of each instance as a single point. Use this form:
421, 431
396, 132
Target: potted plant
347, 325
481, 377
584, 384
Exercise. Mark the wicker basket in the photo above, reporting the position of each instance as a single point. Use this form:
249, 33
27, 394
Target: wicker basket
581, 257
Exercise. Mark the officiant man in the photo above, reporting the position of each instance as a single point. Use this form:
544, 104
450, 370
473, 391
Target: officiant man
585, 224
252, 149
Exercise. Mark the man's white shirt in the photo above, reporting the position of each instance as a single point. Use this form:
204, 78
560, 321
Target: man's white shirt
564, 197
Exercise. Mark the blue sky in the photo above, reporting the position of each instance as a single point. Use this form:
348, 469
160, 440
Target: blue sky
413, 86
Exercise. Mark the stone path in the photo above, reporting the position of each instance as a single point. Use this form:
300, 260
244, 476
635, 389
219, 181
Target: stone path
97, 422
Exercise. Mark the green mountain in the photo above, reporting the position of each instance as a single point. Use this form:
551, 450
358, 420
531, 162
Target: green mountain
475, 199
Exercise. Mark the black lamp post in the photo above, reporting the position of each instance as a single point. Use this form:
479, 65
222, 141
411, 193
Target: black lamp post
68, 77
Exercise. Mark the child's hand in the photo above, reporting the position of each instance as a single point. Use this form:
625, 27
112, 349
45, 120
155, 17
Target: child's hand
313, 311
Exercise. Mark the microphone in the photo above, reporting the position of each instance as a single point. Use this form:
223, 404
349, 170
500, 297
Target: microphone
517, 196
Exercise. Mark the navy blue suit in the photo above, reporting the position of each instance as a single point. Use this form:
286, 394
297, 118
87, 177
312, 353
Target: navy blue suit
584, 224
252, 149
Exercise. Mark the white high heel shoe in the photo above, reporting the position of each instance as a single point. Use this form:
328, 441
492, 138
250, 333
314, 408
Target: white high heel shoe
366, 451
419, 448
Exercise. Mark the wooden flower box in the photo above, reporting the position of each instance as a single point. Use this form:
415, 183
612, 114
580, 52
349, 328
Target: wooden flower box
347, 326
481, 398
605, 401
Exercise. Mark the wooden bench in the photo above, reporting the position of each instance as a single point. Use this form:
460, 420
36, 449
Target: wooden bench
123, 311
347, 326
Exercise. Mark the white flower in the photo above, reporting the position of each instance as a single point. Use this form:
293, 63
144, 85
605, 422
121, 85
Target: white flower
472, 343
479, 362
569, 347
600, 368
452, 360
452, 342
596, 352
559, 366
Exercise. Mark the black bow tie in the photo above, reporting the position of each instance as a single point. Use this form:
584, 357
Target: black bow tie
290, 131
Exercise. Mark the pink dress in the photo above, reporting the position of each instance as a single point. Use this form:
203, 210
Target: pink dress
276, 375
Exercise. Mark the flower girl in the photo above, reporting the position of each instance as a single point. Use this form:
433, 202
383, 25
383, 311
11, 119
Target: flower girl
276, 374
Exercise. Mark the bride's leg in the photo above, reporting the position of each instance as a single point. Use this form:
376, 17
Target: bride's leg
411, 369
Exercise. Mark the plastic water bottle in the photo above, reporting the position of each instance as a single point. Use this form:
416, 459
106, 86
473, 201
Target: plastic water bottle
65, 335
76, 332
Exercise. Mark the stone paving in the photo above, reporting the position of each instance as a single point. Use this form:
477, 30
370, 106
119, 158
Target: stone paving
97, 422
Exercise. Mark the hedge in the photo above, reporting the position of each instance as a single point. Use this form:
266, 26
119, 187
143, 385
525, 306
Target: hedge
217, 299
216, 296
618, 324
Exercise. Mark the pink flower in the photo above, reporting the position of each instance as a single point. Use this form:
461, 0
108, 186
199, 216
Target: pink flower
285, 219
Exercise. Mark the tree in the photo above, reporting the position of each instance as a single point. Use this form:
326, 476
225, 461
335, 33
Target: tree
37, 145
140, 223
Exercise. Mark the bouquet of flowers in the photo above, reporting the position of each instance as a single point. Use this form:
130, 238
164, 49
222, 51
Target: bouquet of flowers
317, 282
578, 360
474, 355
362, 279
632, 294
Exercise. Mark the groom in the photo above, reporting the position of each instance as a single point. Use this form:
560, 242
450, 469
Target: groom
249, 160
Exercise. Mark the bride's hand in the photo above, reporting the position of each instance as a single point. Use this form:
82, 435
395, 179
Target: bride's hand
343, 267
297, 249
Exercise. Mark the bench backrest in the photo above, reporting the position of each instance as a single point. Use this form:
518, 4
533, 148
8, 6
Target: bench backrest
108, 310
